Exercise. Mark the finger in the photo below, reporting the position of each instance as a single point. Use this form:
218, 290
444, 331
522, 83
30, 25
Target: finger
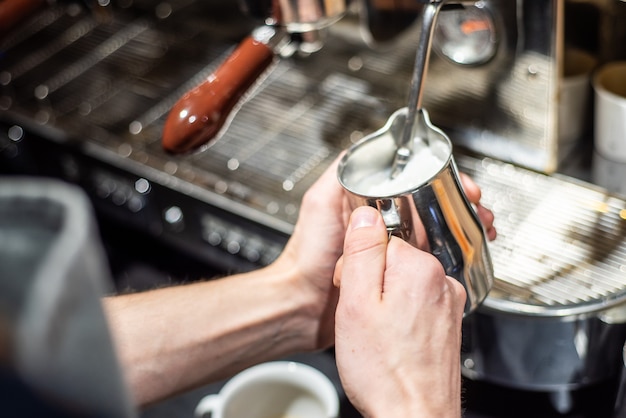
474, 194
364, 256
412, 272
471, 189
325, 188
487, 218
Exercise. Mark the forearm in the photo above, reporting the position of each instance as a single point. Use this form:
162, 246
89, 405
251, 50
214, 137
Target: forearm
173, 339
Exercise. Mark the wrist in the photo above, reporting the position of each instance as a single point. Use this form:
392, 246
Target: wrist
302, 306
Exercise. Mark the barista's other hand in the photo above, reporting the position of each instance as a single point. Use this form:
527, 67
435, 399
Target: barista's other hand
473, 193
314, 248
398, 325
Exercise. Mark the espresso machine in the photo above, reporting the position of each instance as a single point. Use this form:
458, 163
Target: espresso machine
492, 83
86, 90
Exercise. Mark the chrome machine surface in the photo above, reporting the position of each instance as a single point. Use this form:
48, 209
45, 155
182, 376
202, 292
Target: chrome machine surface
555, 318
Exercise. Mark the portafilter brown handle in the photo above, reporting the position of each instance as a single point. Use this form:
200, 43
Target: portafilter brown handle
201, 113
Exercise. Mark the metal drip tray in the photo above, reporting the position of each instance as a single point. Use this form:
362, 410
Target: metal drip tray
561, 248
554, 321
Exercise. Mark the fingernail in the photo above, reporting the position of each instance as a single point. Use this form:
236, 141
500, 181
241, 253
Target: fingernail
363, 217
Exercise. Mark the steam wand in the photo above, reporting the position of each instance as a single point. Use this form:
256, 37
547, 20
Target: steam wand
405, 149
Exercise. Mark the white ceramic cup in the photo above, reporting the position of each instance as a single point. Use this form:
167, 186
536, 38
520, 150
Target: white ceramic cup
609, 84
574, 98
280, 389
609, 174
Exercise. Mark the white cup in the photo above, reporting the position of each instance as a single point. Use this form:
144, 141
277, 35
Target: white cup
280, 389
574, 98
609, 174
609, 84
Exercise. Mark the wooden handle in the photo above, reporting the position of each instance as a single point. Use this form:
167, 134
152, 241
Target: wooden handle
202, 112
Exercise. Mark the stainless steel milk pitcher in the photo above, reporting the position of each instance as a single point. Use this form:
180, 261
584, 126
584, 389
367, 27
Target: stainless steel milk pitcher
429, 209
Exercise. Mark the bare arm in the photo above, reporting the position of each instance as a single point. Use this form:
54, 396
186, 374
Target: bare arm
174, 339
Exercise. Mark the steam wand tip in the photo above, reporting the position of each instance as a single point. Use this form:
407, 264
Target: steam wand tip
400, 160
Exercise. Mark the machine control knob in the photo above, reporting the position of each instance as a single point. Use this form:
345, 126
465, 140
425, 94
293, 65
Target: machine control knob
174, 217
234, 242
253, 250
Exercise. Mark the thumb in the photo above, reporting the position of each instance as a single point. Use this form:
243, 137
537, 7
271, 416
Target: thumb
364, 254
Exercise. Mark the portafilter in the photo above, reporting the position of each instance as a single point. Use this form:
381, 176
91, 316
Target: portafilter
202, 114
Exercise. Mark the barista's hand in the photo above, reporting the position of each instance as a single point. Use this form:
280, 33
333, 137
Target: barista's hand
398, 326
314, 248
317, 244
